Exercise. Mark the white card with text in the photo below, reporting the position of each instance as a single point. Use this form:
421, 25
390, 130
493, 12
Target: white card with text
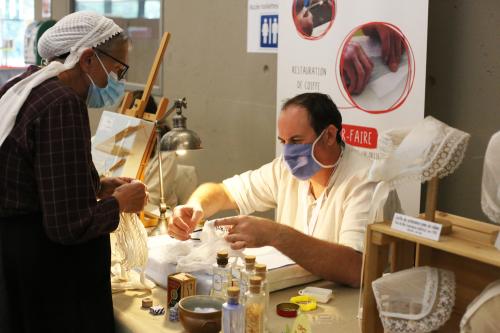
416, 226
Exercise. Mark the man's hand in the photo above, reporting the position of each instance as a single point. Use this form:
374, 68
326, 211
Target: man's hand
184, 220
391, 42
109, 184
357, 68
131, 196
249, 231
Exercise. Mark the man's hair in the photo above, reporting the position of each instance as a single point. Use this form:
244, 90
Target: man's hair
322, 111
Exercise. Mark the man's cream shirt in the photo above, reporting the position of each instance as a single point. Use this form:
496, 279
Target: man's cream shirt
343, 215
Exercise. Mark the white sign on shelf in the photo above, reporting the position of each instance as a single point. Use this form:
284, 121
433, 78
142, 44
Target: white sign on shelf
497, 243
262, 26
416, 226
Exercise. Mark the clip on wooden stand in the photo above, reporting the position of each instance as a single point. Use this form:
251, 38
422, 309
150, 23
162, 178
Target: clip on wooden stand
137, 110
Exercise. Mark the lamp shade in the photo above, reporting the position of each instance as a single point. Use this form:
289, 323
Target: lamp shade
180, 139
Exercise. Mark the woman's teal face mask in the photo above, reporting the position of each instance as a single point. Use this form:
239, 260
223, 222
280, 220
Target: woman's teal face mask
99, 97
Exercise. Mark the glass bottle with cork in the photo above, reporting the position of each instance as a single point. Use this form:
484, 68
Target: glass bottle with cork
254, 306
247, 272
261, 271
233, 315
221, 275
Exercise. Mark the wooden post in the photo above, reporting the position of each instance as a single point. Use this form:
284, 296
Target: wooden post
431, 206
137, 110
376, 260
431, 199
162, 107
127, 100
147, 219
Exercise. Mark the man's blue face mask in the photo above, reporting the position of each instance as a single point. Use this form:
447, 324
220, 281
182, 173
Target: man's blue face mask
99, 97
301, 161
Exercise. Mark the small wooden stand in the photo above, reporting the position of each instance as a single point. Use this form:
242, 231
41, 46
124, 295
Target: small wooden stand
431, 206
468, 252
137, 110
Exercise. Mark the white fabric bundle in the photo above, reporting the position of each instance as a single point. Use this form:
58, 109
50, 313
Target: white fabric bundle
130, 251
415, 300
74, 33
430, 149
490, 188
202, 257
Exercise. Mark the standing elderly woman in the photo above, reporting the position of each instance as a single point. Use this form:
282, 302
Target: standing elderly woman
55, 213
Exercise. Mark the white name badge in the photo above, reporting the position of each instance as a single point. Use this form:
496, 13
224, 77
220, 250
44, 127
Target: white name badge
416, 226
497, 243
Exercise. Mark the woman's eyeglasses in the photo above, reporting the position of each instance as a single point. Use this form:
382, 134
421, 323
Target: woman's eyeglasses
121, 73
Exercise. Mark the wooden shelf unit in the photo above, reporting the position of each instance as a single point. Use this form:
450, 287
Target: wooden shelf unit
468, 251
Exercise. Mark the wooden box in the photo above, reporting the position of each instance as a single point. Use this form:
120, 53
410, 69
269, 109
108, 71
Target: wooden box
180, 285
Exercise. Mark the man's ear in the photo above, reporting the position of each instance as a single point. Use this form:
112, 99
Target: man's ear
86, 60
332, 134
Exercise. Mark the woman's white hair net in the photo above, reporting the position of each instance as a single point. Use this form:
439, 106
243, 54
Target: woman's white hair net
74, 33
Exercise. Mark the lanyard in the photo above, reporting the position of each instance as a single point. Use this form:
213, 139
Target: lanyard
309, 227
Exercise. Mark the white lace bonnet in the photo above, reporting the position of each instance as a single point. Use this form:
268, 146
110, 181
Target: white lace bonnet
482, 314
429, 149
415, 300
490, 188
74, 33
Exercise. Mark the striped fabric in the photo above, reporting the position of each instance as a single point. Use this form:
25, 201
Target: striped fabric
46, 166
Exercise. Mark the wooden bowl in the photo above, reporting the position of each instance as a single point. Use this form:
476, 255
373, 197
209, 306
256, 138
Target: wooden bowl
201, 313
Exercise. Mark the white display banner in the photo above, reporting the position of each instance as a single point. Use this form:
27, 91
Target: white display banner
368, 55
262, 26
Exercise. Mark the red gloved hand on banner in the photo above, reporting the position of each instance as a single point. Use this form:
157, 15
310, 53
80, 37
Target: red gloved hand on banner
357, 68
305, 21
391, 42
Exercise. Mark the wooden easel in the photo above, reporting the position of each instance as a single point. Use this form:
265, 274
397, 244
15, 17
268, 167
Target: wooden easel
137, 110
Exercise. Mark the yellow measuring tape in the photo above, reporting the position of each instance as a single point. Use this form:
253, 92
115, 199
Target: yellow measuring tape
306, 303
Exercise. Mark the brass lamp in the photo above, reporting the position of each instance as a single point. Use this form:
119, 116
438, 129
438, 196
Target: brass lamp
178, 139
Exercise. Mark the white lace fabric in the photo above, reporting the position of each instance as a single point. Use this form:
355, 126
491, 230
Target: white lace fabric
490, 186
482, 314
74, 33
430, 149
415, 300
129, 253
202, 257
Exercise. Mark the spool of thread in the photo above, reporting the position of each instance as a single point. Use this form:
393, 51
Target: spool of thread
147, 303
157, 310
173, 314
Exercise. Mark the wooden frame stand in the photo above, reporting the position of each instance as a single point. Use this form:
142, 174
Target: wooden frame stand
137, 110
468, 252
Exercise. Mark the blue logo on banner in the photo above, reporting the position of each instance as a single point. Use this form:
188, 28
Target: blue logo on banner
269, 31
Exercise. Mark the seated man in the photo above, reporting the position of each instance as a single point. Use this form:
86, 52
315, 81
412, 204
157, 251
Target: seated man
318, 187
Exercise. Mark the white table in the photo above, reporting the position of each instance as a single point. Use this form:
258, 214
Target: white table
342, 310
